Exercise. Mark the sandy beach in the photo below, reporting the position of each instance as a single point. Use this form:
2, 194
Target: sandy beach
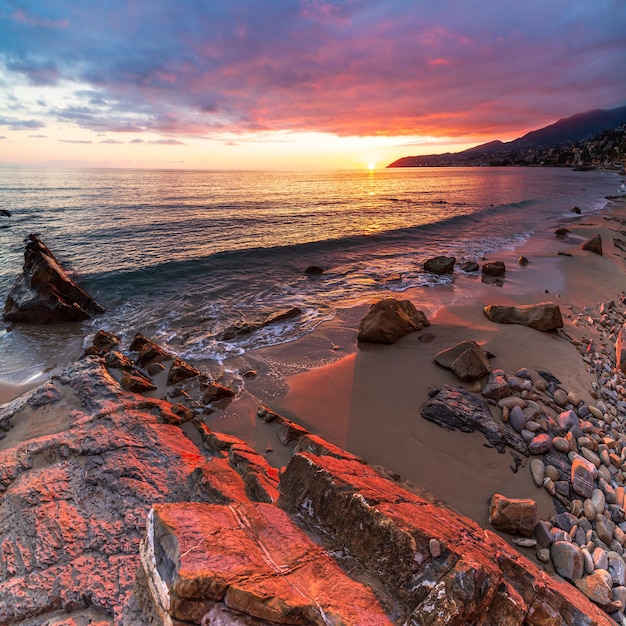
368, 400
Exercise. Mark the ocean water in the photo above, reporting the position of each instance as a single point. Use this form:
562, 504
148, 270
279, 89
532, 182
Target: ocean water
182, 255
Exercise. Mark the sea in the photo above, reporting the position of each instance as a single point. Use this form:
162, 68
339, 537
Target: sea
181, 255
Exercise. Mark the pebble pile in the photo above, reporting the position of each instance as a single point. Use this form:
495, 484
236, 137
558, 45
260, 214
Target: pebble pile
578, 453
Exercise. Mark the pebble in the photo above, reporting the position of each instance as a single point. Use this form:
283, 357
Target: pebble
560, 397
598, 501
561, 444
541, 385
434, 547
517, 419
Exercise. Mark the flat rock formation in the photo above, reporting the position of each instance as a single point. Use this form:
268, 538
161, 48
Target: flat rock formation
111, 514
44, 294
545, 316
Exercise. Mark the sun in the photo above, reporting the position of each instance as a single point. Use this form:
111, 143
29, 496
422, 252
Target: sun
371, 166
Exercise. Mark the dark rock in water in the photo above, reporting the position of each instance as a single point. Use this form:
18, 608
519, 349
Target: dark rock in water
117, 360
180, 371
576, 210
138, 342
215, 392
494, 268
454, 408
389, 320
5, 213
314, 270
467, 360
561, 232
544, 316
151, 352
523, 261
593, 245
440, 265
44, 294
470, 266
104, 340
240, 329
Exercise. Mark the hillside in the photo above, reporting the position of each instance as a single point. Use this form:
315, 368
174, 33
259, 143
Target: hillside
544, 146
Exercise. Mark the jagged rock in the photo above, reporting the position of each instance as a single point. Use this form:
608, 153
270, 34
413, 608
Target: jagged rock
44, 294
620, 350
104, 340
151, 352
593, 245
133, 381
320, 447
494, 268
117, 360
260, 478
180, 371
239, 329
477, 579
497, 386
440, 265
597, 587
138, 342
513, 516
251, 558
214, 392
389, 320
75, 499
523, 261
454, 408
470, 266
467, 360
545, 316
290, 431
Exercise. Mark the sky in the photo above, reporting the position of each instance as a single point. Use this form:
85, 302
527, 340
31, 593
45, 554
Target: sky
294, 84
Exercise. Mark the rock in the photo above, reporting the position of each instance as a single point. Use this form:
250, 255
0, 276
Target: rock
149, 352
242, 328
467, 360
117, 360
497, 386
576, 210
620, 351
561, 444
593, 245
517, 419
617, 568
545, 316
567, 419
540, 444
180, 371
597, 587
133, 381
583, 476
454, 408
389, 320
253, 559
605, 529
560, 397
314, 270
523, 261
155, 368
598, 501
440, 265
470, 266
538, 471
495, 268
568, 560
44, 294
290, 431
561, 232
214, 392
104, 340
516, 517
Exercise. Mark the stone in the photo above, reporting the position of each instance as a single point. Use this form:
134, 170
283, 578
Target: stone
243, 328
151, 352
542, 533
133, 381
617, 568
593, 245
538, 471
180, 371
561, 444
290, 431
517, 419
389, 320
467, 360
597, 587
576, 210
117, 360
497, 386
540, 444
561, 231
314, 270
583, 476
543, 317
560, 398
214, 391
470, 266
104, 340
513, 516
454, 408
605, 529
620, 352
568, 419
565, 521
440, 265
522, 261
155, 368
494, 268
44, 294
567, 559
598, 501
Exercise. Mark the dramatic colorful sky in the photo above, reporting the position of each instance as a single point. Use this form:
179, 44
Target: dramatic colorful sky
253, 84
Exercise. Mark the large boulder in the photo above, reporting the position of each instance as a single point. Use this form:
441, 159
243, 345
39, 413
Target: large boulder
44, 294
545, 316
440, 265
389, 320
514, 516
467, 360
620, 350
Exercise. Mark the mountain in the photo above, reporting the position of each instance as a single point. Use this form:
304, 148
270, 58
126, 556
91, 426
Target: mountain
567, 131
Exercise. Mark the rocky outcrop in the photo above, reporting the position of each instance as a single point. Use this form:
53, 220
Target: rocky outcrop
389, 320
243, 328
440, 265
494, 269
44, 294
467, 360
544, 316
593, 245
454, 408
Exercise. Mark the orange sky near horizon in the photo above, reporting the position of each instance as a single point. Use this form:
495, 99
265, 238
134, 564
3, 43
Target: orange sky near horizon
295, 84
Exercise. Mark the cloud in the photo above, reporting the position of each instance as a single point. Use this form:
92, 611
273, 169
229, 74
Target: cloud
347, 67
2, 136
75, 141
166, 142
38, 136
111, 141
14, 124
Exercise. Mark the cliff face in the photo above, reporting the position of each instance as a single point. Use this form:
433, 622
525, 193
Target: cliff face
109, 513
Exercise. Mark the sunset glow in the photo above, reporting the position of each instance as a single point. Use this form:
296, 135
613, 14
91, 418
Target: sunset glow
293, 84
